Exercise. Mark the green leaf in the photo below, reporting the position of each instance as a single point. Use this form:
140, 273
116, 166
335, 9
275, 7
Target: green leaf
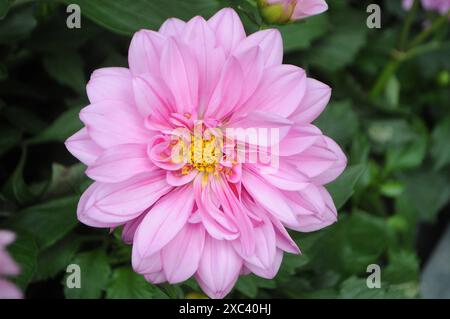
56, 258
339, 121
95, 274
300, 35
392, 92
440, 144
343, 187
15, 188
340, 47
65, 180
127, 17
392, 188
250, 284
63, 127
427, 192
4, 7
24, 251
17, 25
403, 267
126, 284
9, 138
48, 221
24, 119
66, 67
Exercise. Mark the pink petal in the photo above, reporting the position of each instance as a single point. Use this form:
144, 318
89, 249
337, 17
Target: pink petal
200, 38
113, 123
299, 139
322, 162
6, 237
164, 221
156, 277
270, 43
145, 264
145, 52
9, 290
82, 147
268, 196
120, 163
172, 27
228, 91
306, 8
175, 178
106, 85
280, 91
265, 247
8, 267
219, 268
153, 98
316, 97
182, 255
228, 29
179, 70
109, 205
129, 229
267, 272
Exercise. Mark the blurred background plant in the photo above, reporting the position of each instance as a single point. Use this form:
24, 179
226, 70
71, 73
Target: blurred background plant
389, 110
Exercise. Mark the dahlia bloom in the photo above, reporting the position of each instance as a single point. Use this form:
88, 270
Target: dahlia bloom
282, 11
8, 267
441, 6
157, 143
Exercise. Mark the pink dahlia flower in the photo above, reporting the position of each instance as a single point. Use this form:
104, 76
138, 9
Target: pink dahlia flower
7, 268
441, 6
157, 143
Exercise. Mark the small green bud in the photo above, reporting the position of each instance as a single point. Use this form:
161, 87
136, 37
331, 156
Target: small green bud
278, 13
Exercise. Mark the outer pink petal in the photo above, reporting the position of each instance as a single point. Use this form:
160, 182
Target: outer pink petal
200, 38
9, 290
112, 123
172, 27
182, 255
268, 196
153, 97
267, 272
281, 90
306, 8
299, 139
270, 43
219, 268
82, 147
109, 205
156, 277
145, 52
228, 29
228, 91
264, 236
314, 208
120, 163
179, 70
129, 229
146, 264
322, 162
8, 266
6, 237
313, 103
164, 221
110, 85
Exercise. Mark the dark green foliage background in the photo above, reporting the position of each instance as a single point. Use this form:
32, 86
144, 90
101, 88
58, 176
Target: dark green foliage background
397, 141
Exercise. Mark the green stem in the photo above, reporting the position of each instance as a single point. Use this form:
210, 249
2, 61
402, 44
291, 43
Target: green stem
407, 25
382, 79
422, 36
413, 50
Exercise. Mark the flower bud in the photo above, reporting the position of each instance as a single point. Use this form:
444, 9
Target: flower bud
284, 11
